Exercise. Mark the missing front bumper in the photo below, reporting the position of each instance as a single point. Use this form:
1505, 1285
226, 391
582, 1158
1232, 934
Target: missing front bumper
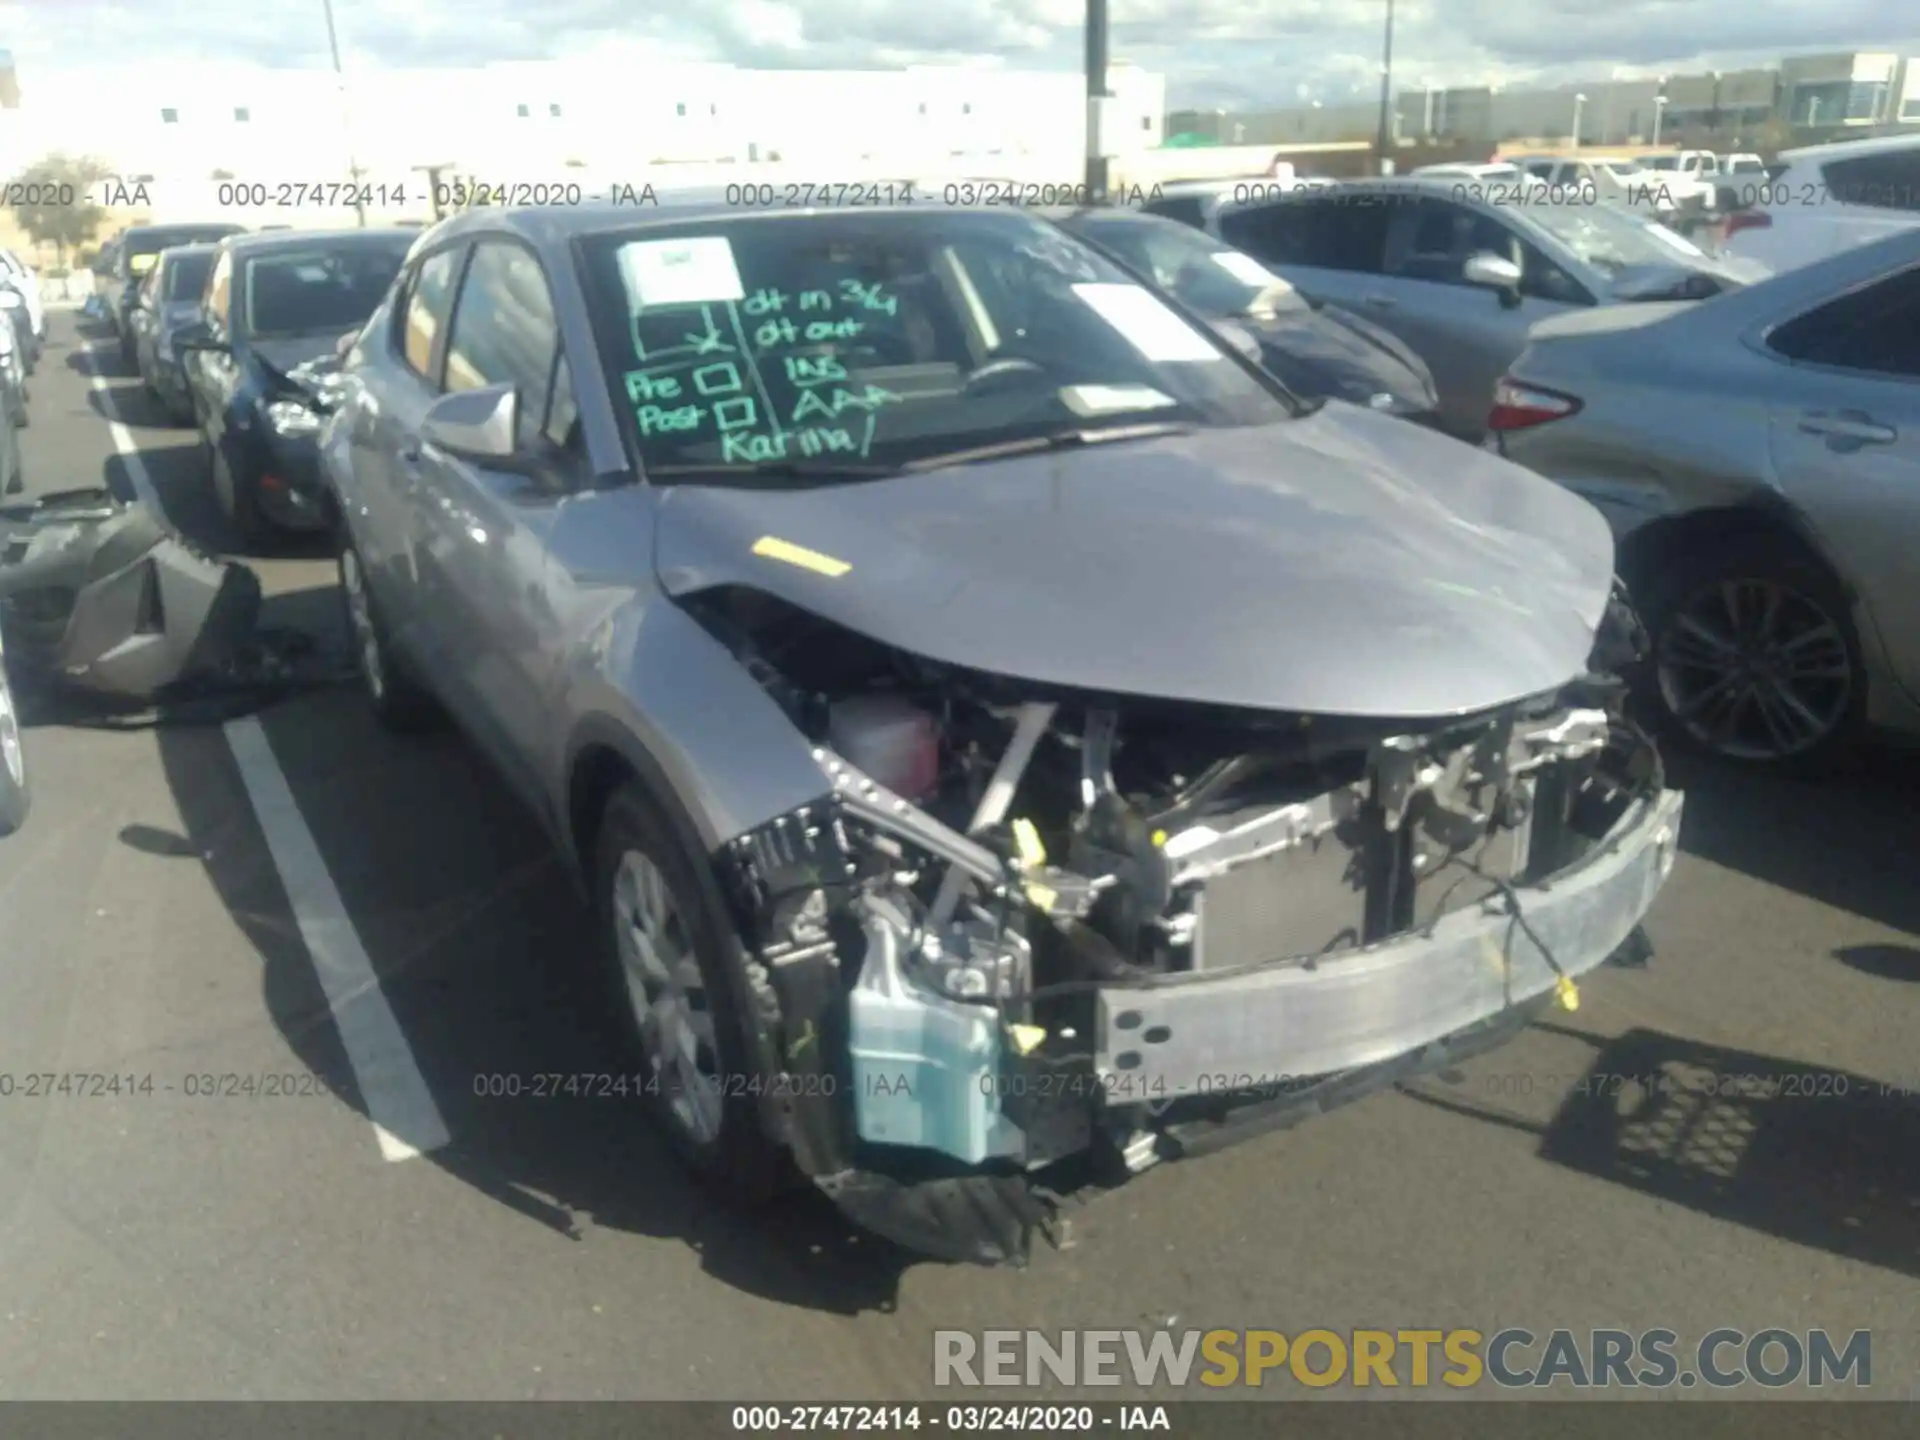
1276, 1024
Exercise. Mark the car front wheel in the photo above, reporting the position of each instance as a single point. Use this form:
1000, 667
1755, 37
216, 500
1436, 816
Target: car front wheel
1755, 659
678, 979
398, 701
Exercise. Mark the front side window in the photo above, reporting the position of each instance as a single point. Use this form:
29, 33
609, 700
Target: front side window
429, 298
889, 339
220, 291
304, 292
504, 331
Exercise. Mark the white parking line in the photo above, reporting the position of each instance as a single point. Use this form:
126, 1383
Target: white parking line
405, 1118
123, 441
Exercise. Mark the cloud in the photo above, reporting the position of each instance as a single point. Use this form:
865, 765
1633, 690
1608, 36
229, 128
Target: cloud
1232, 52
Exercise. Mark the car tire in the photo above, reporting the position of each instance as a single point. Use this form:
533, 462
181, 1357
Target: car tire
652, 899
1718, 652
398, 701
15, 798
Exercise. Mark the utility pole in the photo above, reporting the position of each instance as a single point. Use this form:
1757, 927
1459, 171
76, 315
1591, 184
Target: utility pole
346, 119
1096, 99
1385, 142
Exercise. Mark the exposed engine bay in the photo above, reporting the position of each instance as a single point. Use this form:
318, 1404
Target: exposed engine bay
1000, 916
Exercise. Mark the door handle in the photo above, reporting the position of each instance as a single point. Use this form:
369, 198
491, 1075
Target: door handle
1378, 302
1847, 429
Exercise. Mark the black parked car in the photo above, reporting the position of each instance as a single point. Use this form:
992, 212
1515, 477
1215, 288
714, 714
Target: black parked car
1317, 351
258, 366
136, 251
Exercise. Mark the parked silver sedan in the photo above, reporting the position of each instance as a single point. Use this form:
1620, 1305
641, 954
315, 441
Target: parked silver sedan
1759, 458
1461, 269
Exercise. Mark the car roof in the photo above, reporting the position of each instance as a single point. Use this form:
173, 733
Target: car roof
258, 242
1848, 149
143, 232
559, 224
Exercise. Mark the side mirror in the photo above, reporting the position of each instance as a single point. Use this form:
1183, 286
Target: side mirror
1494, 272
1241, 338
477, 425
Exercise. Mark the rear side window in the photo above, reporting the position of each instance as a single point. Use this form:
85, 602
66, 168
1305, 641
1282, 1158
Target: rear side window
1887, 181
1187, 209
429, 298
1875, 329
1348, 233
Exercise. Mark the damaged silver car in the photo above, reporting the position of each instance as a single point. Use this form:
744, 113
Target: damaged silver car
1006, 737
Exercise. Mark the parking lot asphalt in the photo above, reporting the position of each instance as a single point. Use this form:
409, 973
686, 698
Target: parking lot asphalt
300, 895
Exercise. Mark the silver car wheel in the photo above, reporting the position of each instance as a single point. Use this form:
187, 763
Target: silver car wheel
366, 638
1755, 670
668, 996
12, 754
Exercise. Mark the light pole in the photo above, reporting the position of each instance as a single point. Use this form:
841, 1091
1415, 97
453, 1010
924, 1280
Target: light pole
1659, 111
1096, 99
1385, 140
1426, 126
346, 118
1579, 104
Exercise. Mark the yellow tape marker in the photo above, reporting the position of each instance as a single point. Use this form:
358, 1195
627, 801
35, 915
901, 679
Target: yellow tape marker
1026, 1038
1033, 851
1043, 897
774, 548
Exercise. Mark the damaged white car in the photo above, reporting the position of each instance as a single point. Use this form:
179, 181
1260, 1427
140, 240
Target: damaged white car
1001, 730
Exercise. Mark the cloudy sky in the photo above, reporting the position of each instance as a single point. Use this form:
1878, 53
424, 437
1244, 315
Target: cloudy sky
1236, 53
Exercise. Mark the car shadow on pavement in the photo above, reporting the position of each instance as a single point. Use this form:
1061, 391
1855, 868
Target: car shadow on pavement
1848, 841
479, 943
1821, 1158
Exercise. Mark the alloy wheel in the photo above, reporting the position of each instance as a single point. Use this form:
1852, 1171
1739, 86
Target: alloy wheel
366, 637
1755, 670
668, 995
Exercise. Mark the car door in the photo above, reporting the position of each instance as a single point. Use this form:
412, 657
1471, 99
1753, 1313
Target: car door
487, 530
1467, 334
382, 446
1844, 432
1330, 247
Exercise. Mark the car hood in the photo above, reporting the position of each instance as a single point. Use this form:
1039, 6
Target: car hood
310, 367
1343, 563
1328, 352
1683, 279
290, 354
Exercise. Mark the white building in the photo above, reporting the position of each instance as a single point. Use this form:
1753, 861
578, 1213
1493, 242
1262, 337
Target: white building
599, 124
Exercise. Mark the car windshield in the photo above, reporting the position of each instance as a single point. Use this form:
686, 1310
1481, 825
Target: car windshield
1664, 162
187, 275
320, 289
1746, 166
1206, 275
762, 342
1611, 238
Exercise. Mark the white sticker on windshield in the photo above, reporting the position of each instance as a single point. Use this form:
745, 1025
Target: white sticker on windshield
1149, 326
681, 272
1091, 400
1243, 267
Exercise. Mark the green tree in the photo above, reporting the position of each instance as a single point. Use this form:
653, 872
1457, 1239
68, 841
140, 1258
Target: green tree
56, 202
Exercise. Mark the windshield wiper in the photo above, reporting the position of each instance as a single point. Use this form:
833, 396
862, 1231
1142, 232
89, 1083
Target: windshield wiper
1051, 440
